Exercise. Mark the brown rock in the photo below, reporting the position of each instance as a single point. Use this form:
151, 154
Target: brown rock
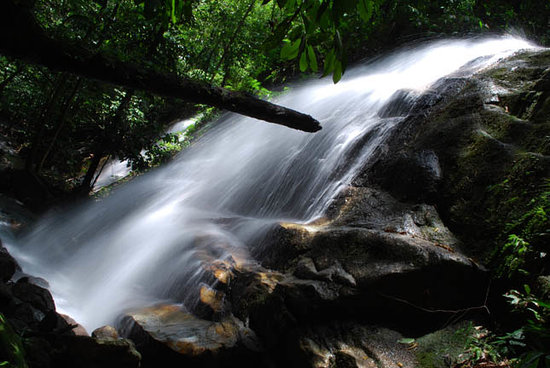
194, 340
105, 333
76, 327
212, 298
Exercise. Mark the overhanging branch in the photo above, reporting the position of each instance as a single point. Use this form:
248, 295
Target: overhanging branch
23, 38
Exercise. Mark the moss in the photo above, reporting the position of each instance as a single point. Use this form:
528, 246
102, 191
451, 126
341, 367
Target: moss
442, 349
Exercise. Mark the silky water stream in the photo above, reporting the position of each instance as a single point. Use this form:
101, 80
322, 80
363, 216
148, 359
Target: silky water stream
148, 240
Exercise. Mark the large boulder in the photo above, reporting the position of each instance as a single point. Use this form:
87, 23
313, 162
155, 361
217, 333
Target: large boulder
489, 134
385, 254
375, 260
87, 352
167, 335
8, 264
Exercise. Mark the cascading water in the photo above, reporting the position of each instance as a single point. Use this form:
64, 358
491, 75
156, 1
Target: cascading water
149, 239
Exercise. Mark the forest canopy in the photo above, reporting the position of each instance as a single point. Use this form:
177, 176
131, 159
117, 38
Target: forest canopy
65, 120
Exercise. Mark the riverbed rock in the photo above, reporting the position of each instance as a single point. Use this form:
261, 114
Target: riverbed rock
86, 352
167, 334
410, 176
400, 104
36, 296
105, 333
75, 327
8, 264
348, 345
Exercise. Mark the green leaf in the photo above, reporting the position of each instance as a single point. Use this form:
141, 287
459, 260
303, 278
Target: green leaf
366, 9
290, 50
329, 63
303, 62
337, 74
322, 8
325, 21
312, 59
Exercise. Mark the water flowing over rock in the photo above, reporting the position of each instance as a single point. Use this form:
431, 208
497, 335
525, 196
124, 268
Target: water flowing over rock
269, 247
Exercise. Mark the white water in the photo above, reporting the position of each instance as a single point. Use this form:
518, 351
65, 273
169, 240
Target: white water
147, 241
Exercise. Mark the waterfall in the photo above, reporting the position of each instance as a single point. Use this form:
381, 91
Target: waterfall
149, 239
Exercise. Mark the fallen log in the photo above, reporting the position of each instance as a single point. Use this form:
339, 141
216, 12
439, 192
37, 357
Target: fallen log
23, 38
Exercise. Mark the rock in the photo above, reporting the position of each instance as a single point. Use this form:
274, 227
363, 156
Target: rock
221, 270
8, 264
38, 352
400, 104
414, 177
345, 344
282, 242
86, 352
6, 299
76, 327
489, 134
29, 315
169, 334
105, 333
443, 348
374, 259
38, 281
211, 298
56, 323
38, 297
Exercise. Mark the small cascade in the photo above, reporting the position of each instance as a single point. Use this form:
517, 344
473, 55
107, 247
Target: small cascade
153, 239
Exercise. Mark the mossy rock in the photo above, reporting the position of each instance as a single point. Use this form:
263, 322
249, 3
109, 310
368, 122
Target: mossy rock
443, 348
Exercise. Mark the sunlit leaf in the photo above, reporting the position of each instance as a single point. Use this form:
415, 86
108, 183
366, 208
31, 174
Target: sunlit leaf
329, 63
303, 62
312, 59
290, 50
337, 74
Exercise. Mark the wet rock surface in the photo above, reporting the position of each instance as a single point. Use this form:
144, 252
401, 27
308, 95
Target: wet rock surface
490, 136
47, 338
385, 254
170, 335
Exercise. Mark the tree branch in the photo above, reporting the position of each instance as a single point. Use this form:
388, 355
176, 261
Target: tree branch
23, 38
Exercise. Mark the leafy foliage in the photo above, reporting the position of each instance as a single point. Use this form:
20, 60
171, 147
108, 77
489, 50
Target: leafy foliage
11, 348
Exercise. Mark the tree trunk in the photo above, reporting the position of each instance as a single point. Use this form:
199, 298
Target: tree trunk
60, 124
90, 174
104, 146
40, 122
22, 37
